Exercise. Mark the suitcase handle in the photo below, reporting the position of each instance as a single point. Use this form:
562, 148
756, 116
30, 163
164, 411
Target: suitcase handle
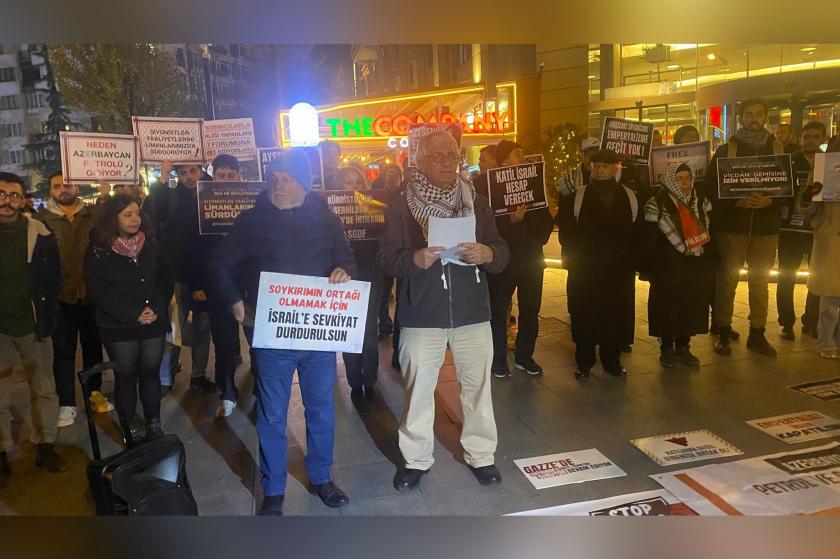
84, 377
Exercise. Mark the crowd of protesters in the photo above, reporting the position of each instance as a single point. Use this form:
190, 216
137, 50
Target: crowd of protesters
133, 274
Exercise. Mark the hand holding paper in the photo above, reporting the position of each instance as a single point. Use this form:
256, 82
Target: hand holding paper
450, 233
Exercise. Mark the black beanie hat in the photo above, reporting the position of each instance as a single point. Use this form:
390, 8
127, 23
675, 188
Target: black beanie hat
503, 149
605, 156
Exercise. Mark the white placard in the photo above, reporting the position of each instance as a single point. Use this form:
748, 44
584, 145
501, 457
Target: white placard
234, 136
646, 503
679, 448
174, 139
309, 313
827, 172
449, 232
88, 158
798, 427
581, 466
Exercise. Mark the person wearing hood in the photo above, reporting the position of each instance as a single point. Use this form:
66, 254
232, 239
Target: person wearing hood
290, 230
599, 228
678, 266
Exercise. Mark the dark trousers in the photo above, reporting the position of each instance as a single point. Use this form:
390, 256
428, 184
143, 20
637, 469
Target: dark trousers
138, 363
395, 339
75, 322
610, 356
792, 248
363, 368
386, 324
316, 376
670, 343
528, 283
224, 329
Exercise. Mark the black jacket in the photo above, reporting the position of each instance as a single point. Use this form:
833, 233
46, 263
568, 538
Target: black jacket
425, 300
44, 274
795, 218
526, 238
121, 288
307, 241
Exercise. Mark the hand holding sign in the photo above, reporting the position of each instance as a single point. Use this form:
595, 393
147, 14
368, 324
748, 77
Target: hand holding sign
754, 201
519, 214
339, 275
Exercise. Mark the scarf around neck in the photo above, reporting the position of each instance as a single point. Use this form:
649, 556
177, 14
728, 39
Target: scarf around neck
425, 199
129, 246
755, 140
688, 231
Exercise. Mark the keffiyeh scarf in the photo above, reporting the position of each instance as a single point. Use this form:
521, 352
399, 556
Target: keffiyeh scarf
425, 199
129, 246
688, 231
755, 140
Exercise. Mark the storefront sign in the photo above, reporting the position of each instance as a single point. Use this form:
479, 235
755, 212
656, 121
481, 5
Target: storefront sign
87, 158
399, 124
233, 136
179, 140
571, 467
363, 213
826, 390
769, 175
630, 139
310, 314
799, 427
510, 187
679, 448
664, 160
646, 503
219, 204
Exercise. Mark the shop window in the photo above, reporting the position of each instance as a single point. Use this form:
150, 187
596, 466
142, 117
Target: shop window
11, 130
7, 74
9, 102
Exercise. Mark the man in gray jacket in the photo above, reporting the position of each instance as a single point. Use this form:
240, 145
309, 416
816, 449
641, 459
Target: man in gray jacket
443, 304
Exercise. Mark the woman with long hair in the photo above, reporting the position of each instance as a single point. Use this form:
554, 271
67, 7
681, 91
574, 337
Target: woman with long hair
128, 282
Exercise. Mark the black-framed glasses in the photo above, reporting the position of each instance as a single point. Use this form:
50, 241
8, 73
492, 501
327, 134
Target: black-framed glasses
13, 196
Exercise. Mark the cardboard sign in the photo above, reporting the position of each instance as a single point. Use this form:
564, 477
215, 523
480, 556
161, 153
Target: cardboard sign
510, 187
646, 503
679, 448
630, 139
798, 427
87, 158
770, 175
179, 140
265, 156
219, 203
310, 314
827, 173
570, 467
233, 136
664, 160
418, 131
826, 390
802, 482
363, 213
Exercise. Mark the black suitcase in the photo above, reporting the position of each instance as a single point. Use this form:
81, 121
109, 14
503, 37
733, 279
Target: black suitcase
148, 477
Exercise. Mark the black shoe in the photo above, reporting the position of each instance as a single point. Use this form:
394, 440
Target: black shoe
787, 333
357, 396
5, 470
683, 355
408, 479
500, 370
395, 362
581, 372
759, 344
153, 429
626, 349
272, 505
133, 434
722, 343
528, 365
810, 331
487, 475
46, 457
370, 392
330, 494
203, 385
164, 390
734, 336
667, 358
619, 372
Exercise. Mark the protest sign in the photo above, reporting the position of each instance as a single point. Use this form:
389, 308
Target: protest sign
571, 467
265, 156
169, 139
363, 213
798, 427
87, 158
310, 314
417, 131
630, 139
646, 503
219, 203
769, 175
826, 390
534, 157
691, 446
827, 173
802, 482
233, 136
664, 160
510, 187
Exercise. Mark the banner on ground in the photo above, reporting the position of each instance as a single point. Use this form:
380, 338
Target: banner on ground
265, 156
234, 136
801, 482
646, 503
581, 466
219, 203
770, 175
664, 160
510, 187
827, 390
87, 158
630, 139
798, 427
827, 173
417, 131
179, 140
310, 314
363, 213
690, 446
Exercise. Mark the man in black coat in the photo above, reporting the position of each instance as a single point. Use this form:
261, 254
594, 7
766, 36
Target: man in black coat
292, 231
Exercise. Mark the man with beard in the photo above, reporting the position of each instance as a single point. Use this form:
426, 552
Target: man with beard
598, 229
747, 230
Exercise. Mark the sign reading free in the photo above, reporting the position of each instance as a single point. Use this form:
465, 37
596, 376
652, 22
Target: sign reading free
398, 125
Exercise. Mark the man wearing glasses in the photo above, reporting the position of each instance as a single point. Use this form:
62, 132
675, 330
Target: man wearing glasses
443, 304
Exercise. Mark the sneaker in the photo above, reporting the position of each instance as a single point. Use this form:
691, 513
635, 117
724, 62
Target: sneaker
203, 384
734, 335
528, 365
667, 358
683, 355
787, 333
501, 370
722, 343
46, 457
833, 354
759, 344
66, 415
225, 408
100, 403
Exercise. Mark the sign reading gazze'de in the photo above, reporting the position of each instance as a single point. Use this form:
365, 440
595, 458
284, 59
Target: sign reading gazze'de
87, 158
310, 314
179, 140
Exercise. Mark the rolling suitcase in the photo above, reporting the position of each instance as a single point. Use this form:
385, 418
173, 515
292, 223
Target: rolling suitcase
148, 477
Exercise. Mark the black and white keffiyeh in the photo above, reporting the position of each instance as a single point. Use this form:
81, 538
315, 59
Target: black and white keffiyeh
425, 199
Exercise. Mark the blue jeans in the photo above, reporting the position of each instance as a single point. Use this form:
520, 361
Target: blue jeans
200, 338
316, 375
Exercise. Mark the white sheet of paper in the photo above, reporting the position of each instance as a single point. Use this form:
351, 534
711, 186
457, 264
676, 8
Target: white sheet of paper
827, 172
449, 232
